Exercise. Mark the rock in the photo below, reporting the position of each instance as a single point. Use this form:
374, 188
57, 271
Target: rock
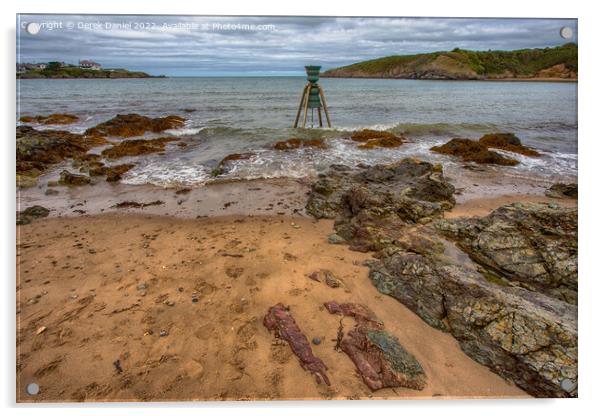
280, 321
533, 245
374, 204
412, 180
50, 119
37, 150
295, 143
378, 356
473, 151
563, 190
129, 125
163, 333
31, 213
142, 286
221, 167
112, 173
316, 341
373, 138
51, 192
508, 142
523, 336
327, 277
71, 179
335, 239
134, 204
137, 147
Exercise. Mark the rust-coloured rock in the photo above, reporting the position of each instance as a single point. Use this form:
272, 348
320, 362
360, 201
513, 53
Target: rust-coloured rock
280, 321
136, 147
379, 358
129, 125
509, 142
113, 173
37, 150
295, 143
50, 119
374, 138
473, 151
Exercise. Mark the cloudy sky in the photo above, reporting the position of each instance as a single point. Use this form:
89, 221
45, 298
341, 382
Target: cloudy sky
213, 46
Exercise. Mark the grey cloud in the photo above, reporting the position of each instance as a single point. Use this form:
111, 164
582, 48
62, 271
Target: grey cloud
294, 42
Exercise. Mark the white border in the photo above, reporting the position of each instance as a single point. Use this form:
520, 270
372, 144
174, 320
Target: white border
590, 154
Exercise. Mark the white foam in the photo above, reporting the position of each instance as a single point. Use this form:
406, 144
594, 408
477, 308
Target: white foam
183, 132
167, 174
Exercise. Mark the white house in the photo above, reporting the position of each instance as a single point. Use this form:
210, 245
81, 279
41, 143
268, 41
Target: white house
86, 64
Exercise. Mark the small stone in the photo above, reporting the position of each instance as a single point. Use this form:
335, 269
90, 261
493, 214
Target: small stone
316, 341
335, 239
40, 330
163, 333
195, 300
142, 286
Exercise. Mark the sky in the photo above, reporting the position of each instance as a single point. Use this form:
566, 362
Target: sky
264, 46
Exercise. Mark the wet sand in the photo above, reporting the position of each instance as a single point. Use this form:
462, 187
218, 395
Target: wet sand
94, 294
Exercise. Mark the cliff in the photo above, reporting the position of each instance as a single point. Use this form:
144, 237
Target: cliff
547, 63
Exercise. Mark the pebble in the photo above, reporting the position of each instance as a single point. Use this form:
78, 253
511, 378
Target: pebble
195, 300
142, 286
316, 341
163, 333
335, 239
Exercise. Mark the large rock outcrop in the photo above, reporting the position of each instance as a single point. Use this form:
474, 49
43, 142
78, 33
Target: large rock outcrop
524, 336
505, 285
129, 125
533, 245
372, 205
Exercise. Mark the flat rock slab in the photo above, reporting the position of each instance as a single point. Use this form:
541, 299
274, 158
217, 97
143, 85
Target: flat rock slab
280, 321
378, 356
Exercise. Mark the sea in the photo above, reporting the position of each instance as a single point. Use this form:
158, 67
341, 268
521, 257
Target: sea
228, 115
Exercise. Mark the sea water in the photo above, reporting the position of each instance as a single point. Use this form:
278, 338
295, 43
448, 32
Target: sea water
235, 115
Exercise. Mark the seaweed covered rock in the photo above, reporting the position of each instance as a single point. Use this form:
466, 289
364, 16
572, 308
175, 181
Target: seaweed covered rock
473, 151
534, 245
378, 356
281, 322
508, 142
129, 125
295, 143
524, 336
373, 138
137, 147
112, 173
373, 205
50, 119
563, 190
31, 213
37, 150
71, 179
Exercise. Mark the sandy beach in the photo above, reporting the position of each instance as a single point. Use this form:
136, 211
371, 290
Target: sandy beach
105, 287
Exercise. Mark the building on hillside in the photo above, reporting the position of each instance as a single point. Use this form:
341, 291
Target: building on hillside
86, 64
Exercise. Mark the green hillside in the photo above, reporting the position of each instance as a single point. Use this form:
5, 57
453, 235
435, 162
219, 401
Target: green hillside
54, 70
558, 62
